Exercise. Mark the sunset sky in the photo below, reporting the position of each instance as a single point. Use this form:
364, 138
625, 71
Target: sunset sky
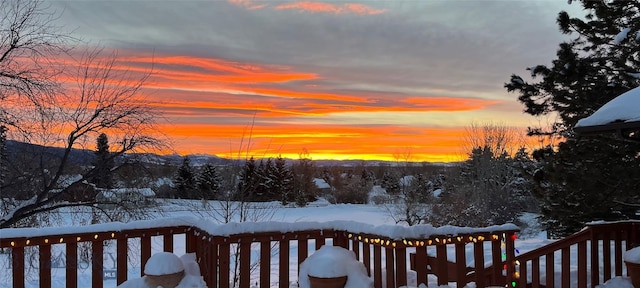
341, 80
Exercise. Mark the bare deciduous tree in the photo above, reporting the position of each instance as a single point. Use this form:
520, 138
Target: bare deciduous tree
498, 138
106, 99
29, 42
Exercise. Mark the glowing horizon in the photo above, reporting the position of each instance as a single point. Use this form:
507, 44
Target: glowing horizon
341, 80
241, 109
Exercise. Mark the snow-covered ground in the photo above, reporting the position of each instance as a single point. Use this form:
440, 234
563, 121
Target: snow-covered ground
320, 211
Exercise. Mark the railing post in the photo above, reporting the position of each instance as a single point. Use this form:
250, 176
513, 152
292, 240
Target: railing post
496, 259
511, 256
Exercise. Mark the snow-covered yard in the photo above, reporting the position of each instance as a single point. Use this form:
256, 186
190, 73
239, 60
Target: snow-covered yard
320, 211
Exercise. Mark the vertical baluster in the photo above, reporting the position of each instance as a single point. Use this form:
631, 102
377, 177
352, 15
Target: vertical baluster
44, 252
122, 251
190, 244
478, 255
522, 280
355, 247
461, 264
245, 262
566, 269
377, 266
390, 265
582, 264
606, 256
549, 265
535, 272
618, 252
167, 242
320, 242
401, 266
366, 257
265, 263
284, 263
97, 250
71, 253
595, 262
213, 270
340, 239
420, 264
223, 259
303, 249
145, 251
17, 265
441, 264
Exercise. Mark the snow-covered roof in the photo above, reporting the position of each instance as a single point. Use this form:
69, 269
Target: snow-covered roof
406, 180
66, 180
321, 184
624, 108
147, 192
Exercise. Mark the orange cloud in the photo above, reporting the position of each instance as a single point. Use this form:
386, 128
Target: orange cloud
449, 103
322, 7
209, 102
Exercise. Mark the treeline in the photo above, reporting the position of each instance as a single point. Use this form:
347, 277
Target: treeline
272, 179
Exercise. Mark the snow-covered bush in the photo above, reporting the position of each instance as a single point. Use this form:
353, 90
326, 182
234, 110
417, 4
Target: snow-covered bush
334, 261
162, 264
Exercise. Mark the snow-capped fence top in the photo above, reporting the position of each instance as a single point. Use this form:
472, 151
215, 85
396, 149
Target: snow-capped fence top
396, 232
380, 248
213, 243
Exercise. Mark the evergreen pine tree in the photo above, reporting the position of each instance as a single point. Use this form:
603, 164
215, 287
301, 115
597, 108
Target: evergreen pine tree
104, 163
283, 181
304, 187
248, 181
209, 182
264, 181
185, 181
585, 179
390, 183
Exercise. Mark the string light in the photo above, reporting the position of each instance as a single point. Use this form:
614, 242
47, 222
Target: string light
516, 263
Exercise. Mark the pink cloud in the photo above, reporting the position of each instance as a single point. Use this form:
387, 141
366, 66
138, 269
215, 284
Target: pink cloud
322, 7
314, 7
249, 4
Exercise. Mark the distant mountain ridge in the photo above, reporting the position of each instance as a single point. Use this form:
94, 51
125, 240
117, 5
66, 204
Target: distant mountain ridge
86, 157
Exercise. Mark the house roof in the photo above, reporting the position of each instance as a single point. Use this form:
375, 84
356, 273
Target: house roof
147, 192
620, 115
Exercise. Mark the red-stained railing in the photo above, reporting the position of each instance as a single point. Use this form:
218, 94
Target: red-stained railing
596, 249
272, 258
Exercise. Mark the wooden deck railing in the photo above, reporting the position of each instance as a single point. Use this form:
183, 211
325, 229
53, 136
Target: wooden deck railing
266, 257
592, 247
